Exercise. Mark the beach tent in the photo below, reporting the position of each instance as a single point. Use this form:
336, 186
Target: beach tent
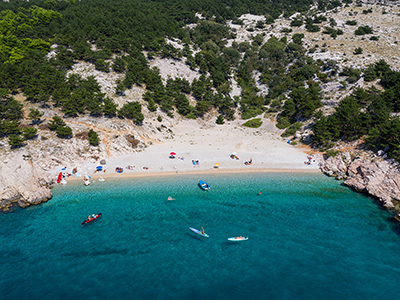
103, 162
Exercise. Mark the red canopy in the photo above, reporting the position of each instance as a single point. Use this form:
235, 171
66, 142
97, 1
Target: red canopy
172, 153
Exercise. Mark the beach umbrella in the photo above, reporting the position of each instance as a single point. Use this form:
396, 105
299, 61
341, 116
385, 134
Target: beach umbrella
172, 153
99, 167
216, 164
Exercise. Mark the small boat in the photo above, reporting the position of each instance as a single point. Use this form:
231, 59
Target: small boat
198, 232
238, 238
203, 185
170, 198
92, 218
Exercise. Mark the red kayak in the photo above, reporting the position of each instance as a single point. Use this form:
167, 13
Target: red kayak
59, 177
91, 219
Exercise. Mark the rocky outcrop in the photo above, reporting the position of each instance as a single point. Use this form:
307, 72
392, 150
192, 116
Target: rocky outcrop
23, 183
367, 173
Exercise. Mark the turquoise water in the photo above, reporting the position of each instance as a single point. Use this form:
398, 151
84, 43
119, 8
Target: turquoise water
309, 238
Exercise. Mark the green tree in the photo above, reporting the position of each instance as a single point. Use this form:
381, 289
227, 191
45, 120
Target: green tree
220, 120
29, 133
152, 106
93, 137
35, 115
15, 141
133, 111
56, 122
64, 132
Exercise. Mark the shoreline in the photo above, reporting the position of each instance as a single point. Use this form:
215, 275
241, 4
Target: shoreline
133, 174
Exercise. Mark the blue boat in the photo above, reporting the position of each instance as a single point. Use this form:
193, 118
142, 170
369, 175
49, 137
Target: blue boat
203, 185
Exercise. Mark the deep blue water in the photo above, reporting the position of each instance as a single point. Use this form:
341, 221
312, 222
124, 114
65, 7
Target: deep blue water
309, 238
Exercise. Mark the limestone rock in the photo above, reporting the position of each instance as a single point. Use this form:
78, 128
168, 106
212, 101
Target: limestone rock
21, 182
378, 178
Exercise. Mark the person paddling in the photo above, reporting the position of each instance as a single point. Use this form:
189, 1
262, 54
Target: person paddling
202, 230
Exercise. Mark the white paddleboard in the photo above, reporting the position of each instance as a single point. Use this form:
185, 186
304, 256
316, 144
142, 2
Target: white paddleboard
238, 238
198, 232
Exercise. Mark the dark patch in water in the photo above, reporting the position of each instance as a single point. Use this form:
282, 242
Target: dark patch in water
106, 251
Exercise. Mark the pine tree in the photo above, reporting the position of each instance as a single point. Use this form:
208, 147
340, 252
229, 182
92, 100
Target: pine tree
93, 137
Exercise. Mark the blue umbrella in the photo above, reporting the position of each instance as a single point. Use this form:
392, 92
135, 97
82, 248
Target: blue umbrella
99, 167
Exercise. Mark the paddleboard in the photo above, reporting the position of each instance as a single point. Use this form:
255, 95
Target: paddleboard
198, 232
238, 238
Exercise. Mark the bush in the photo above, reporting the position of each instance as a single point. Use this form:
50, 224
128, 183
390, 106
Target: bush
351, 23
253, 123
331, 153
93, 137
363, 30
291, 130
358, 50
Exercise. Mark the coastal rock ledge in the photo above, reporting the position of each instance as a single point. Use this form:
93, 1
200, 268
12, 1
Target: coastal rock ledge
369, 173
23, 183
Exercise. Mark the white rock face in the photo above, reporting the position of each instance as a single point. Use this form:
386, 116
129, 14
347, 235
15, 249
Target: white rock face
380, 178
21, 181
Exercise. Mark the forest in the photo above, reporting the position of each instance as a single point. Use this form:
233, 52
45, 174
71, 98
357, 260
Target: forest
123, 35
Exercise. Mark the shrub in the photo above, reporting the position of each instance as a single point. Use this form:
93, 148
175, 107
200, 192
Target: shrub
351, 23
363, 30
291, 130
331, 153
358, 50
253, 123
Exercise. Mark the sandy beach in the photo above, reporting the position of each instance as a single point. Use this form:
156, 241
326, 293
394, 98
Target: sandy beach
206, 147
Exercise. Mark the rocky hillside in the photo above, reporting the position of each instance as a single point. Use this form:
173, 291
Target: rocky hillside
21, 170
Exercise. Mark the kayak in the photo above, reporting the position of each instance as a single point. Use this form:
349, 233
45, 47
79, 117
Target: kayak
198, 232
59, 177
92, 219
203, 185
238, 238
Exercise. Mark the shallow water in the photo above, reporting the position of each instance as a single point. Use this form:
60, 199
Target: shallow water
309, 238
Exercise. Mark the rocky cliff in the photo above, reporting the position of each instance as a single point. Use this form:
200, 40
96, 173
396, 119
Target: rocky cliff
369, 173
23, 183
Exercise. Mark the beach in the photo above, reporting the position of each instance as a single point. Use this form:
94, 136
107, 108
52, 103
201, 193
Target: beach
203, 147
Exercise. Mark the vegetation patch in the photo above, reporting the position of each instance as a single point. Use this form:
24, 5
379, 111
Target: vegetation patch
253, 123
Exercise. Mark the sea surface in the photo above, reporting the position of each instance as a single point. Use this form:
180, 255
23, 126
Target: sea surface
310, 237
